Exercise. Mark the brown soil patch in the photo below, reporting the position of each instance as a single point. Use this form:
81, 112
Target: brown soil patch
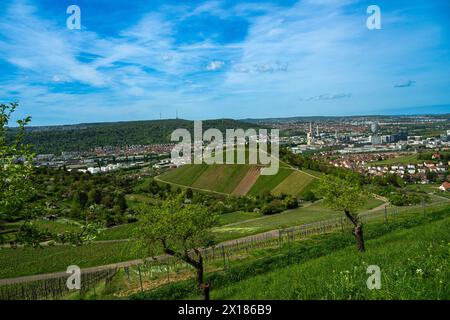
247, 182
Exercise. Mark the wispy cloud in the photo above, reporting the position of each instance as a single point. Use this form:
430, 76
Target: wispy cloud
327, 96
207, 59
215, 65
404, 84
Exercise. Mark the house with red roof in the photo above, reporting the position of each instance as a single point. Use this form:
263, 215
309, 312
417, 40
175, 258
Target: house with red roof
445, 186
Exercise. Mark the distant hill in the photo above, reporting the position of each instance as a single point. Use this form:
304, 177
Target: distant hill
434, 111
84, 137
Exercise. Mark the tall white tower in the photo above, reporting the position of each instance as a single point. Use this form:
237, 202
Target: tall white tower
309, 138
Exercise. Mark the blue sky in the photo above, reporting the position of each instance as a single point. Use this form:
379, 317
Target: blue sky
211, 59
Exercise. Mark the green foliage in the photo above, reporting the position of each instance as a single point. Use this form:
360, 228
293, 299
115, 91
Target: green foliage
250, 279
273, 207
28, 261
189, 193
341, 194
84, 137
15, 165
413, 264
388, 180
176, 226
309, 196
407, 198
290, 202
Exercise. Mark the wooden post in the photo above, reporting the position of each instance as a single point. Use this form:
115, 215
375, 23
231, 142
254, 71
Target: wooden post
140, 277
289, 246
224, 258
168, 271
205, 291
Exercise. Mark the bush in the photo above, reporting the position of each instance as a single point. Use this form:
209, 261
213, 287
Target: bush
309, 196
273, 207
290, 202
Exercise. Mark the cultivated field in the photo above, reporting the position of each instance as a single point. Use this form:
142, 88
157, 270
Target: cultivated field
239, 179
294, 183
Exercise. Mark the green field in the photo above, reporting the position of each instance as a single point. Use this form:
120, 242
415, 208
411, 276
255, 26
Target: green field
412, 251
234, 217
409, 159
414, 264
184, 175
268, 183
221, 178
302, 215
294, 183
57, 226
225, 178
136, 201
29, 261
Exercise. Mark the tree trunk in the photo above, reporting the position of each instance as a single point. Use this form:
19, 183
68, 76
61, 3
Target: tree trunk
358, 233
198, 265
204, 287
200, 272
205, 291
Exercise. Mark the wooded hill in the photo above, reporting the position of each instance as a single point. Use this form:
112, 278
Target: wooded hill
84, 137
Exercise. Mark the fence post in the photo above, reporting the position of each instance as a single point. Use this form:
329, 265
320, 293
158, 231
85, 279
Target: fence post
127, 272
289, 246
385, 214
168, 271
280, 238
224, 258
140, 277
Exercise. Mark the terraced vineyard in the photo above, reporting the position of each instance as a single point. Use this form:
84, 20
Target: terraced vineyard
239, 179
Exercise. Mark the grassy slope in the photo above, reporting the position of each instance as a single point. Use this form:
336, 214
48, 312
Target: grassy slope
221, 178
224, 178
414, 265
294, 183
295, 217
268, 183
409, 159
237, 216
185, 175
28, 261
19, 262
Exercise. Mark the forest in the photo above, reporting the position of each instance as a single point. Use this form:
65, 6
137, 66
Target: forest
85, 137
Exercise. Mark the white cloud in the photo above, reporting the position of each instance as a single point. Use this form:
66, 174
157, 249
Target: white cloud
215, 65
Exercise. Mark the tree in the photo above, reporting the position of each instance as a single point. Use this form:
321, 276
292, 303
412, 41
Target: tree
16, 164
121, 202
16, 186
189, 193
344, 195
80, 199
95, 196
290, 202
177, 229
